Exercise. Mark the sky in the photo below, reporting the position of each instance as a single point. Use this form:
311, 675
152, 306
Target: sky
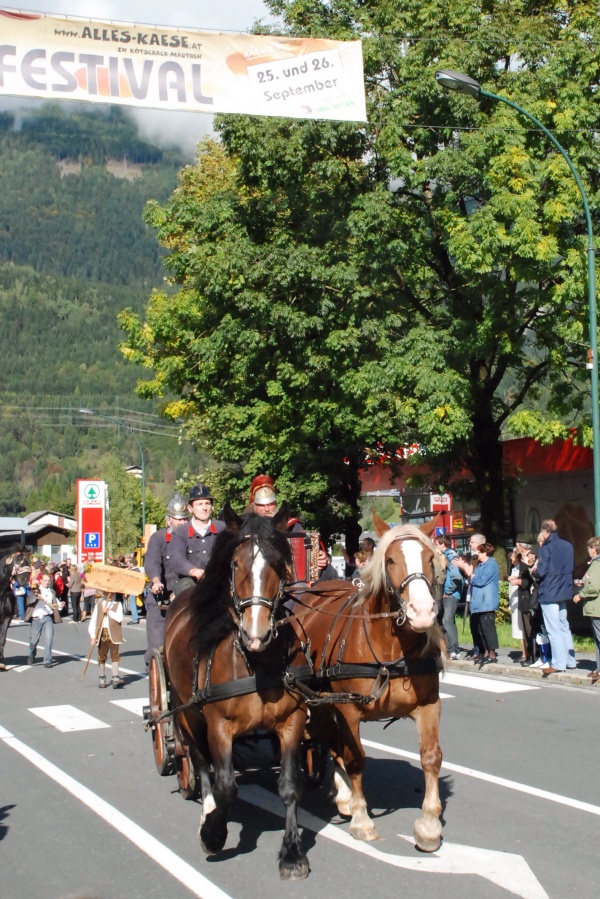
184, 129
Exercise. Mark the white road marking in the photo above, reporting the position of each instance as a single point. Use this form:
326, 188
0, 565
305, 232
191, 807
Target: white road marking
447, 696
66, 718
72, 655
506, 869
183, 872
135, 706
491, 778
485, 684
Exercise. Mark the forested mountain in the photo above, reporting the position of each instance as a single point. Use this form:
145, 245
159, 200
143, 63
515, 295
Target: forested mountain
74, 251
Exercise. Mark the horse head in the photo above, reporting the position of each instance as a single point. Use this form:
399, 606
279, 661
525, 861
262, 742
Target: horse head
403, 568
258, 572
17, 565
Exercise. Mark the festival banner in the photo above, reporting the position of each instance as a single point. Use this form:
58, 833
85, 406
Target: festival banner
69, 58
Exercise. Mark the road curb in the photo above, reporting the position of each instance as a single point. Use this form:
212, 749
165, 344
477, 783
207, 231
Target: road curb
576, 678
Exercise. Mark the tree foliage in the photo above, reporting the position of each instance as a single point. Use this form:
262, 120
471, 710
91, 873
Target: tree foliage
417, 279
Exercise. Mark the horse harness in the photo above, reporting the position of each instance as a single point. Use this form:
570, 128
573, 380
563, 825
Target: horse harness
303, 681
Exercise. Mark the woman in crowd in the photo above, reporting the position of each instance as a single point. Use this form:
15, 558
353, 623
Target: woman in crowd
485, 598
590, 595
520, 596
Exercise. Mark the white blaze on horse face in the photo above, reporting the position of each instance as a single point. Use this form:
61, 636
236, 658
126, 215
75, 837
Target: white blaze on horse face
254, 631
420, 606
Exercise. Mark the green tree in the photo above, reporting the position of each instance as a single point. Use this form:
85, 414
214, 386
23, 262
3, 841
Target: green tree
413, 280
124, 520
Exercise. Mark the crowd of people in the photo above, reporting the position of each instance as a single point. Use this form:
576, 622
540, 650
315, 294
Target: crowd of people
541, 585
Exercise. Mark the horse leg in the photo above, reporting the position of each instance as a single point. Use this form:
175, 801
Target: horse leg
293, 864
213, 824
428, 828
348, 775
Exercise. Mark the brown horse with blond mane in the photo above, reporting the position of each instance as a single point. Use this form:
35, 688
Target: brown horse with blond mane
381, 651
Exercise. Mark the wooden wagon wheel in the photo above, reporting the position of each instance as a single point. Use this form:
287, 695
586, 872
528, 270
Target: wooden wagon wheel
162, 731
189, 782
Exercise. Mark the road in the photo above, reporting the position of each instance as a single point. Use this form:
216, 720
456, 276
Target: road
84, 813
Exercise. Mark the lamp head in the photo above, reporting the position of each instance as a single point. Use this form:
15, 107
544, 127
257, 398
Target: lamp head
456, 81
87, 412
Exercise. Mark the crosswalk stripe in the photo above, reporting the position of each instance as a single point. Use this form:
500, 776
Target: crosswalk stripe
73, 655
67, 718
487, 685
135, 706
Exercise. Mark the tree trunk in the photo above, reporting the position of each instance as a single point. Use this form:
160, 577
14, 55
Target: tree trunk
485, 462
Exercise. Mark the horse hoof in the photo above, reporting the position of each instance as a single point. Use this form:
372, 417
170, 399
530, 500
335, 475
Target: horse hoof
298, 870
211, 843
428, 834
365, 834
2, 666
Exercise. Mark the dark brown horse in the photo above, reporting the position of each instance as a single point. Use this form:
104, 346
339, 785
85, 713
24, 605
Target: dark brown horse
14, 566
382, 649
226, 659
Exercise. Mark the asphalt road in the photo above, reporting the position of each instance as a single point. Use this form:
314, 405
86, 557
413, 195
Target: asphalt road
84, 813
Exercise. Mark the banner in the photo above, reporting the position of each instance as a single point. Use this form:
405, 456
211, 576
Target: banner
168, 68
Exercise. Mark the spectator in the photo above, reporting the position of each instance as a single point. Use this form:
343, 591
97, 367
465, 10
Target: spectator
89, 596
485, 599
521, 597
590, 595
554, 572
451, 595
329, 572
75, 590
467, 566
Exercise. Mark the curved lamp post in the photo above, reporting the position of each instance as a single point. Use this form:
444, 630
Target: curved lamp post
133, 434
464, 84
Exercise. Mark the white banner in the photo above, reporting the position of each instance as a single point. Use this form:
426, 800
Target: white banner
168, 68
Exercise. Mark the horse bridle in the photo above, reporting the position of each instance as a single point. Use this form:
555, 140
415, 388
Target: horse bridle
240, 604
397, 592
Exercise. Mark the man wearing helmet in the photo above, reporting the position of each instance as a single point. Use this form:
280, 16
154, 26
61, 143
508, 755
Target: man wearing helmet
263, 501
159, 571
193, 545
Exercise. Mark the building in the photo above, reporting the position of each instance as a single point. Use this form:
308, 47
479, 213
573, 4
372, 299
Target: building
44, 533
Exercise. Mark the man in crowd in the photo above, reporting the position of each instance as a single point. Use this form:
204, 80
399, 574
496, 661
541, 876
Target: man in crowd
554, 574
192, 546
451, 594
161, 574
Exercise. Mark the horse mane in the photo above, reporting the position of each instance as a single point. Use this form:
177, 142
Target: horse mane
211, 619
373, 579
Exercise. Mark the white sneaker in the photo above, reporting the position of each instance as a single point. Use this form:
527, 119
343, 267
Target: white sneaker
454, 656
539, 664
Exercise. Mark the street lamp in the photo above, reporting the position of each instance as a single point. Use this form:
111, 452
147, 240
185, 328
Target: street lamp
133, 434
464, 84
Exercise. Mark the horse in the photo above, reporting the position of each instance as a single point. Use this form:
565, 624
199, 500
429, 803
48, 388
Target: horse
14, 565
225, 658
381, 647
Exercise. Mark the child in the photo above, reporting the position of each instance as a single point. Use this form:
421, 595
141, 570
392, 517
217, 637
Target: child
106, 631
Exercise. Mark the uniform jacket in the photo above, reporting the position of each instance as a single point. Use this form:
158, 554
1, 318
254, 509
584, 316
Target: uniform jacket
190, 550
590, 592
554, 570
485, 584
158, 561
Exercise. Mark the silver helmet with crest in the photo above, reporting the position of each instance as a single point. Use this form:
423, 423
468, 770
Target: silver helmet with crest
177, 507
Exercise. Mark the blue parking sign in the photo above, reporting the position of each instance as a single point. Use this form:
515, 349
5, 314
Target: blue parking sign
91, 540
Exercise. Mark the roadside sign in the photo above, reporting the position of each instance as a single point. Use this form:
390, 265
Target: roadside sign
91, 515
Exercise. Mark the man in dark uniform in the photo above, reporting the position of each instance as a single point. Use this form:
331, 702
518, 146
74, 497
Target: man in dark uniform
193, 545
160, 573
